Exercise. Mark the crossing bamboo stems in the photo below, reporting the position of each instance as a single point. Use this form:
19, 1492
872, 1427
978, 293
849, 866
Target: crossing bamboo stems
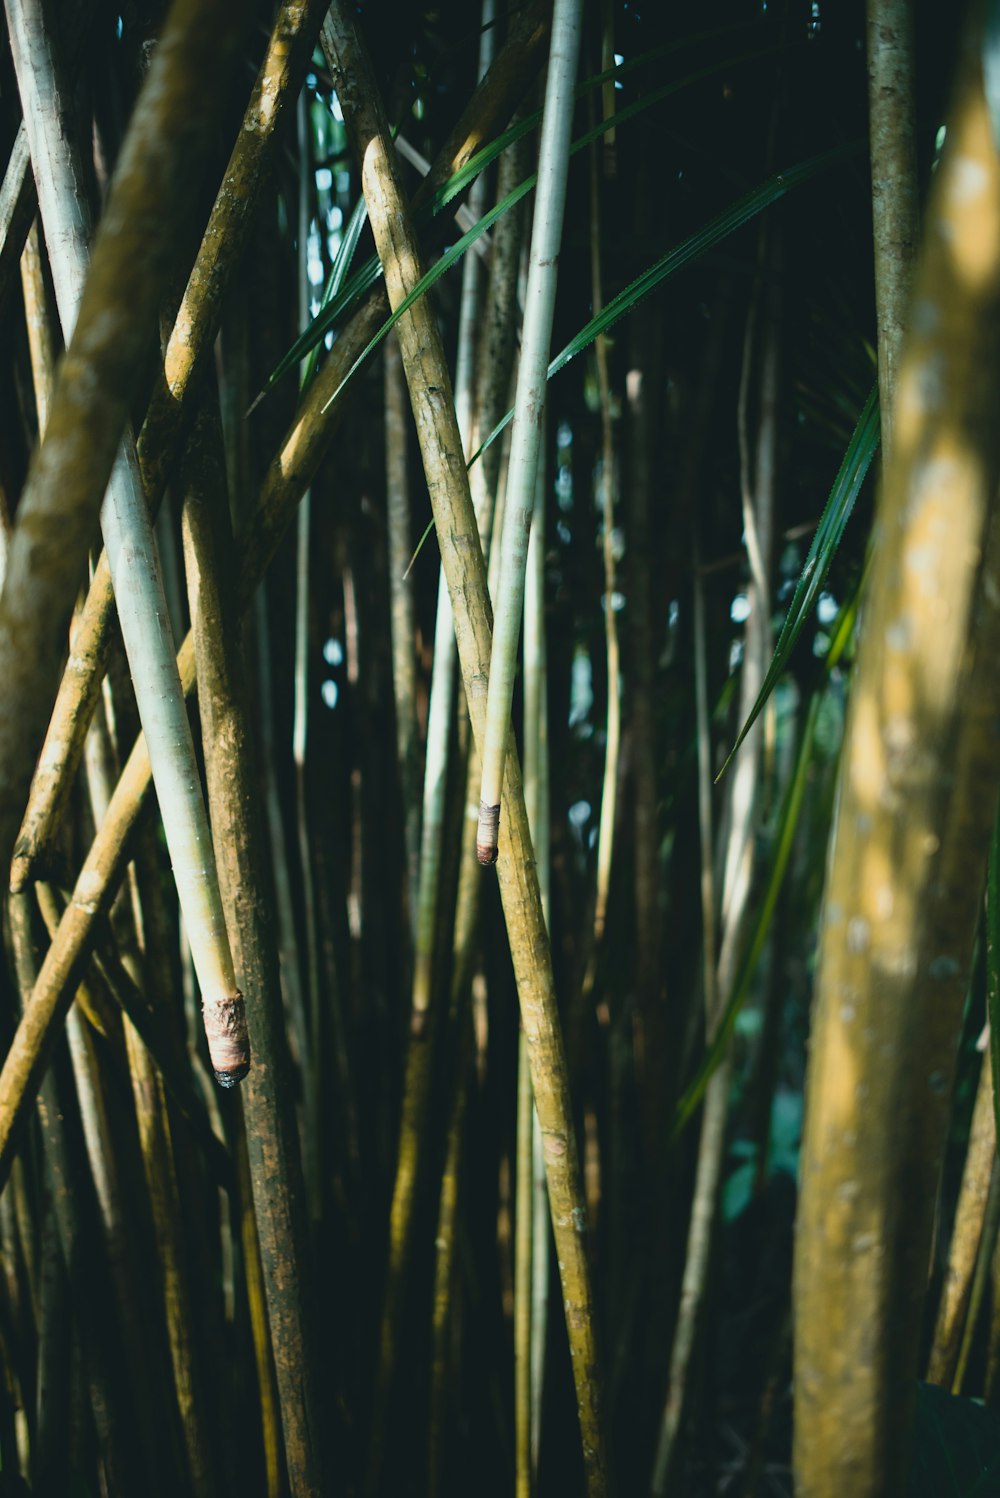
529, 405
147, 1084
117, 1438
444, 469
289, 474
190, 342
152, 172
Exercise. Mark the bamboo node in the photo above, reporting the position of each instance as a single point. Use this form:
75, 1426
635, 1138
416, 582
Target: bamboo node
228, 1041
487, 834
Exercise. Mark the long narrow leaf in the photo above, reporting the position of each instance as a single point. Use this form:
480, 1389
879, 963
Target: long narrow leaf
371, 271
692, 248
829, 533
788, 819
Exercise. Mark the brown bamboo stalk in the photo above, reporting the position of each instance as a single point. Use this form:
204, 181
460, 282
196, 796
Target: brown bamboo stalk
892, 132
966, 1233
404, 660
272, 1141
903, 893
462, 558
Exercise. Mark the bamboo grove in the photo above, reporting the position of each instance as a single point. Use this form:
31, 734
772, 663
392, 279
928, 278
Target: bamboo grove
498, 758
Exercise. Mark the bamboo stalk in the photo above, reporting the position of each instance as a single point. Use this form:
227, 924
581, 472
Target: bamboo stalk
893, 147
444, 467
902, 895
531, 1256
759, 499
77, 1240
609, 786
423, 1033
312, 1070
529, 404
190, 343
981, 1275
275, 1167
151, 174
963, 1251
401, 617
288, 476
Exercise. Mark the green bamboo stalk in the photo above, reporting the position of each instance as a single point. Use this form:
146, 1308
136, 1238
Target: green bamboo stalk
275, 1166
190, 343
903, 894
462, 557
148, 177
892, 135
529, 404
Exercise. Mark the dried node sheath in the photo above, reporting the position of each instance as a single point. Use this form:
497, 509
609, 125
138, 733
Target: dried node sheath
228, 1041
487, 834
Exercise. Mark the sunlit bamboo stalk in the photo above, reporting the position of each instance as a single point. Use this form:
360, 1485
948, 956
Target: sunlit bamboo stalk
529, 405
150, 170
903, 893
444, 468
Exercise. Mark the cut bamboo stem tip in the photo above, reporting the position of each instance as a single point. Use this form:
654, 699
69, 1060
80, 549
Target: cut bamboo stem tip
487, 834
228, 1041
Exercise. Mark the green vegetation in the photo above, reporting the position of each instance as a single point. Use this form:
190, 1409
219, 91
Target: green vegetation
659, 1155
